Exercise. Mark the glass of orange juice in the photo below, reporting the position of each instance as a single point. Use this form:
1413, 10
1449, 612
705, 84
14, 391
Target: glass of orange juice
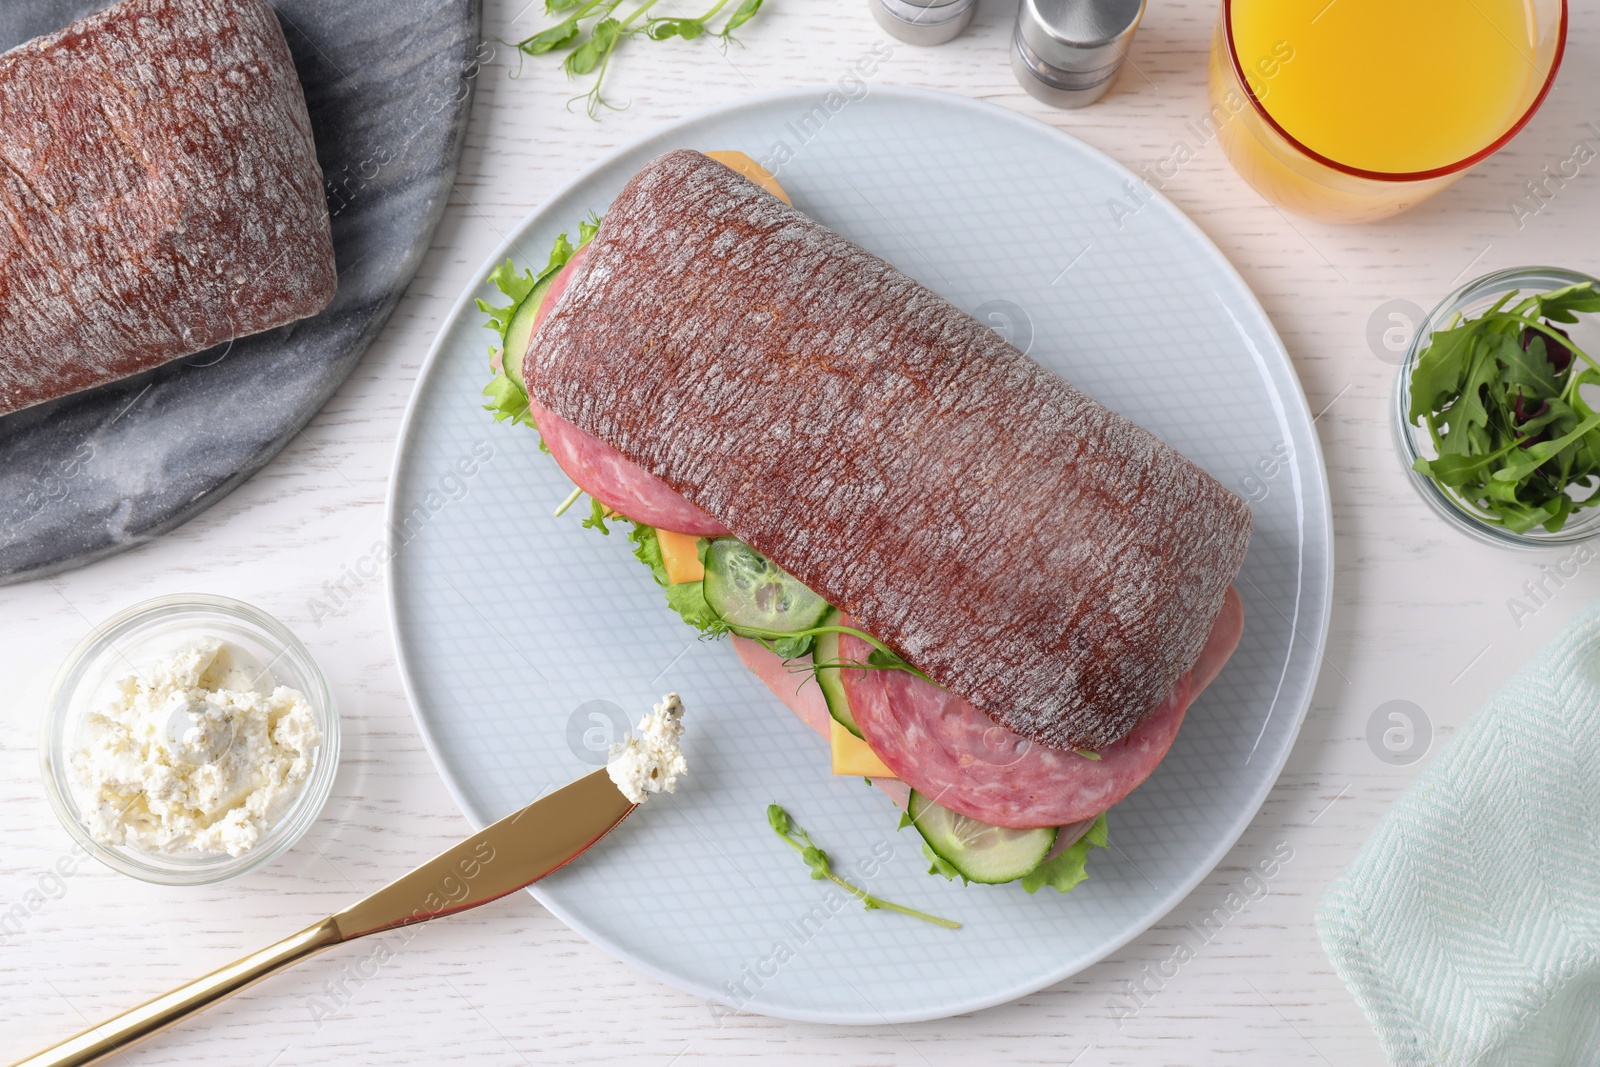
1353, 110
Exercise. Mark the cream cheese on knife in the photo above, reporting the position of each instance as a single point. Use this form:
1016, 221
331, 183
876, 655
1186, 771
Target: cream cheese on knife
652, 761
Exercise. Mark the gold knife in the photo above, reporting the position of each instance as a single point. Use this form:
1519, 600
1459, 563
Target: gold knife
510, 855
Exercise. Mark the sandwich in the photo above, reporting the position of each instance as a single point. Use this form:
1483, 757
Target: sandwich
159, 190
999, 596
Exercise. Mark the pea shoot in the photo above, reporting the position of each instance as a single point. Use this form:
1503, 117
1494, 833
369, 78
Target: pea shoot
590, 31
822, 867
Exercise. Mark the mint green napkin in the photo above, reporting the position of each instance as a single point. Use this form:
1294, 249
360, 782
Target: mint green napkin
1468, 926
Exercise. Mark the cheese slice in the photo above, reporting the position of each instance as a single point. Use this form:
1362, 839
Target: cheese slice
851, 755
680, 555
740, 163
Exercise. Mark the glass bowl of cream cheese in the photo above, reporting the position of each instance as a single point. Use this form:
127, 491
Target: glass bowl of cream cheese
189, 739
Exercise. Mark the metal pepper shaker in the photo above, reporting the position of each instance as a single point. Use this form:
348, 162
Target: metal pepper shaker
924, 22
1067, 52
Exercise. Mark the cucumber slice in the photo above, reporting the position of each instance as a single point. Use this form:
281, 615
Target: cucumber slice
827, 651
747, 589
520, 332
980, 852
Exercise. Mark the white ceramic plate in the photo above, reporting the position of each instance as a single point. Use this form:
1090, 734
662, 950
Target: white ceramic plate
527, 642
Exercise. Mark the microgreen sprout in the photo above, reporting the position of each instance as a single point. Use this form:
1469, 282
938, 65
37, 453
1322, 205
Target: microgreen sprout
822, 868
590, 31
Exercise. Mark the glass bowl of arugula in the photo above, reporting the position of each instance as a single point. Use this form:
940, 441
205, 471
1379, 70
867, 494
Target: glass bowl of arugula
1497, 409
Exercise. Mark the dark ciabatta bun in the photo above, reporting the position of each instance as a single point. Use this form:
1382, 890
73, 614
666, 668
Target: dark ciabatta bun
1032, 551
159, 193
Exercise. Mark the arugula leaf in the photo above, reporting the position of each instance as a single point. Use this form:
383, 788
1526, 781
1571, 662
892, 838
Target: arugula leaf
1440, 371
1535, 455
1563, 305
1527, 369
688, 599
1468, 418
1499, 396
1070, 868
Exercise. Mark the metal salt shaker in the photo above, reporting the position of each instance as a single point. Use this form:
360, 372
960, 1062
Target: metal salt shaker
1067, 52
924, 22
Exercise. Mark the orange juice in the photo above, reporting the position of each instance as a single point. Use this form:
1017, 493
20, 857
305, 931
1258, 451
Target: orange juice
1354, 110
1396, 86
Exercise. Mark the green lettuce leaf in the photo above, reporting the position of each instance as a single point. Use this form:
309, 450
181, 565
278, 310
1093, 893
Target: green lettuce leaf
597, 517
507, 401
937, 864
1071, 867
688, 599
516, 286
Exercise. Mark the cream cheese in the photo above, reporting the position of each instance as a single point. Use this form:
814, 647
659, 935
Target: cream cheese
193, 752
652, 761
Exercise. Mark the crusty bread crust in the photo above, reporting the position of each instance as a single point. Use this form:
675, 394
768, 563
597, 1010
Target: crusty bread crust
159, 193
1038, 554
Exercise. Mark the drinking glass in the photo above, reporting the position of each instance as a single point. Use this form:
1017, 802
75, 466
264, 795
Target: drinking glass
1306, 182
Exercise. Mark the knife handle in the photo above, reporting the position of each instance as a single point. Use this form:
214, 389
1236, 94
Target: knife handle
156, 1015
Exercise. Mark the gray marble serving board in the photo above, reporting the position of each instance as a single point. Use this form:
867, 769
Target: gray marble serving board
389, 85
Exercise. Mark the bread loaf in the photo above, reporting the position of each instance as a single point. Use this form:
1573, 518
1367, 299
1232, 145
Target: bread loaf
159, 193
1043, 557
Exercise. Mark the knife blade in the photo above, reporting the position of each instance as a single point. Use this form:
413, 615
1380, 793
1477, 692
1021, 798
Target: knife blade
507, 856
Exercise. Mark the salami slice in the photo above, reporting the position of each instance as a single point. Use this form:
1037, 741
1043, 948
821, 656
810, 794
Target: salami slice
944, 747
602, 471
801, 695
617, 482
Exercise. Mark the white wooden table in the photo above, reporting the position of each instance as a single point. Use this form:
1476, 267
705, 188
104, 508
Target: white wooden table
1420, 614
